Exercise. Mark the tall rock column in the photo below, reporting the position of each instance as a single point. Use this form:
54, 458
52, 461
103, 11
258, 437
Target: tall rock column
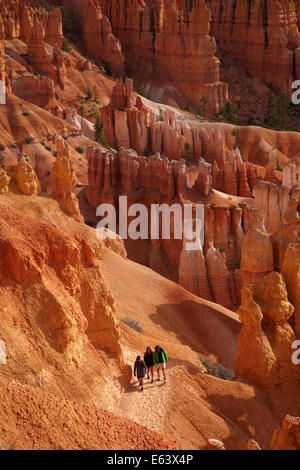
265, 341
192, 273
64, 179
291, 274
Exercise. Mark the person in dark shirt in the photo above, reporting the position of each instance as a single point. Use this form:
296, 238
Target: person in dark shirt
140, 370
148, 358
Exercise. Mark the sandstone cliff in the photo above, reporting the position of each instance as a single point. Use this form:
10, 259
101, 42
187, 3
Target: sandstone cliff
263, 36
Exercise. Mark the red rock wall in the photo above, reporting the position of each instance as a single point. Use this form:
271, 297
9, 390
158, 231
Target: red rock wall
18, 18
168, 49
95, 28
261, 35
158, 180
148, 130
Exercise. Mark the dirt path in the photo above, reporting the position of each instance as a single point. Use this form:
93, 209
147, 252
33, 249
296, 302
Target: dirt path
148, 408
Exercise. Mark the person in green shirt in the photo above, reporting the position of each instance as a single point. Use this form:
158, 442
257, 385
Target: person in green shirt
160, 359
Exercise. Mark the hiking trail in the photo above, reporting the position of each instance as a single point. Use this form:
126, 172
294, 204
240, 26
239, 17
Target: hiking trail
150, 407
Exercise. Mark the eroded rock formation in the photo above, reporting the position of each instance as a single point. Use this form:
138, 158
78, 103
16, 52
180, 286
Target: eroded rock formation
265, 342
4, 181
160, 180
59, 285
64, 179
133, 123
100, 43
263, 36
274, 201
25, 177
184, 31
18, 18
287, 437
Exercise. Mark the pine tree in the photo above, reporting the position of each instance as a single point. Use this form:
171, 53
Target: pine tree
100, 136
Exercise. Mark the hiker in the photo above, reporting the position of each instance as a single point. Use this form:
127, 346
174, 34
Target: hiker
140, 370
148, 358
160, 359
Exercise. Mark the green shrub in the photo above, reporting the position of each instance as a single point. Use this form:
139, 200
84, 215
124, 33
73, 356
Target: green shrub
2, 147
79, 149
116, 144
202, 107
134, 324
107, 68
65, 45
26, 113
229, 113
218, 370
13, 146
161, 115
278, 109
29, 139
142, 93
89, 95
47, 147
100, 136
187, 150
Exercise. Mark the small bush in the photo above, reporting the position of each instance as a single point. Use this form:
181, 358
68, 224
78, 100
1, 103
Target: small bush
218, 370
13, 146
43, 143
142, 93
29, 139
107, 69
100, 136
132, 324
48, 148
278, 168
161, 115
26, 113
116, 144
229, 113
203, 104
277, 111
79, 149
187, 150
2, 147
89, 95
65, 45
